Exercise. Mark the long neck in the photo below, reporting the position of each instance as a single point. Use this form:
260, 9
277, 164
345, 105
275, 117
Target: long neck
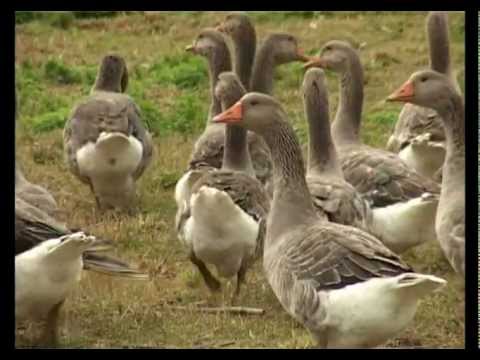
108, 80
346, 127
437, 33
454, 166
245, 44
236, 156
322, 156
218, 63
292, 204
263, 69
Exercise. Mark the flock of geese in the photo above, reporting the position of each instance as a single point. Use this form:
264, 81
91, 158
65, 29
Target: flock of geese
329, 229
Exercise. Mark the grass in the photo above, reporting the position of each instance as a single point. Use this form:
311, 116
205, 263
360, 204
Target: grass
56, 66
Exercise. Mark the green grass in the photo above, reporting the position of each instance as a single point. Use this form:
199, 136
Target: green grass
56, 66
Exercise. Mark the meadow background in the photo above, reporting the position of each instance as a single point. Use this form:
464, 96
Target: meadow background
57, 55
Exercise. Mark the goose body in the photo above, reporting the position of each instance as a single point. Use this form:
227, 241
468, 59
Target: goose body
49, 259
418, 136
105, 142
231, 247
345, 304
434, 90
407, 224
39, 285
223, 244
44, 276
338, 281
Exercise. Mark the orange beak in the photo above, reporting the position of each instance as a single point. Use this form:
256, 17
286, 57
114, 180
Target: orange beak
315, 61
301, 55
232, 115
403, 94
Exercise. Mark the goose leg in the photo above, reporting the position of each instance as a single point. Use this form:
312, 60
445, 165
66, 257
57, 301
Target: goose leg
97, 200
212, 283
50, 335
240, 280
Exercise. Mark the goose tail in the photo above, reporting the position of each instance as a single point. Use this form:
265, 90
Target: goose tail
419, 284
109, 265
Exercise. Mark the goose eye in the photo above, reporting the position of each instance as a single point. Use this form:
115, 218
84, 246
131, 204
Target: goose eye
423, 79
200, 36
254, 102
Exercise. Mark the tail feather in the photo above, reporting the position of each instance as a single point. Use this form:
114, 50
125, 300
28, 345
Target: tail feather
420, 284
109, 265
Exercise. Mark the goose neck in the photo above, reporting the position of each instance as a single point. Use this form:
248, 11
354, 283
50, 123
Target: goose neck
454, 124
291, 204
245, 46
236, 156
108, 83
346, 127
263, 69
322, 156
438, 42
219, 62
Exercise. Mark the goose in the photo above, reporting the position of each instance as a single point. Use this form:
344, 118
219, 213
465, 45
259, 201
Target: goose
334, 197
418, 136
339, 282
436, 91
380, 176
105, 142
233, 192
48, 264
208, 150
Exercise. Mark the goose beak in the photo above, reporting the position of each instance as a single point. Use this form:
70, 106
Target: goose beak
231, 115
404, 93
190, 48
315, 61
301, 55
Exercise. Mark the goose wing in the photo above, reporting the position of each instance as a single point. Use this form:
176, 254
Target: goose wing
382, 177
332, 256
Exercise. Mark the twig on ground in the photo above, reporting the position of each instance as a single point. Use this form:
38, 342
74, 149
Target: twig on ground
231, 309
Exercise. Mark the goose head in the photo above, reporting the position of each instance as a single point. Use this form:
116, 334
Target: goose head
426, 88
334, 55
229, 87
207, 43
113, 74
254, 111
234, 24
285, 48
